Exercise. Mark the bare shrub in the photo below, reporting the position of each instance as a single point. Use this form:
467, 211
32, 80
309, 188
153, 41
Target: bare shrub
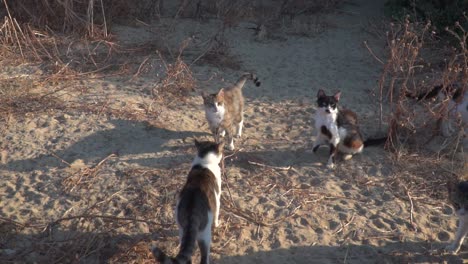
409, 71
177, 78
218, 53
400, 77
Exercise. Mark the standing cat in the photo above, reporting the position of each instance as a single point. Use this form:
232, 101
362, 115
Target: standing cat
224, 110
198, 204
338, 129
457, 107
458, 196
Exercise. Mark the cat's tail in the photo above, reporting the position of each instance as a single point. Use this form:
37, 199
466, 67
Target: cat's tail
255, 80
187, 247
375, 141
248, 76
426, 95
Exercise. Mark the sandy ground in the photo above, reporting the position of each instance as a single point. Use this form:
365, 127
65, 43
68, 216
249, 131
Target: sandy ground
99, 186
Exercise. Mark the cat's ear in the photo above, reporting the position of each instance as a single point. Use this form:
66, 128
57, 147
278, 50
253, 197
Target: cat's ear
337, 95
321, 93
204, 94
197, 143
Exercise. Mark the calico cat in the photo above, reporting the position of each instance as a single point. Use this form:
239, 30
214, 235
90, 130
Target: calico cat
457, 107
198, 204
338, 129
458, 196
224, 110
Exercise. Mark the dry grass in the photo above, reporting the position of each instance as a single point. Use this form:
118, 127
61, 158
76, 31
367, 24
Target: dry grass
406, 72
420, 176
178, 78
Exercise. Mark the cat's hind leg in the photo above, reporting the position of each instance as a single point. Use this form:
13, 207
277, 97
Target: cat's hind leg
320, 140
331, 158
216, 213
462, 231
239, 128
204, 240
230, 139
204, 251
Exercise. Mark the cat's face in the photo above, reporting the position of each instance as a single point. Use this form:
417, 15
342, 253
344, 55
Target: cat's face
458, 195
214, 102
209, 152
327, 104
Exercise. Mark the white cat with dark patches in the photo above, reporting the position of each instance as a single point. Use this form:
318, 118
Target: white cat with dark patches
224, 110
456, 110
339, 129
198, 205
458, 196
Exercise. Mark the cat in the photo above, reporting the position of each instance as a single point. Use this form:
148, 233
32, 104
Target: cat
458, 196
224, 110
198, 204
457, 107
339, 129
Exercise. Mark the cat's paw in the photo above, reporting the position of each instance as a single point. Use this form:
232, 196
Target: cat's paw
230, 147
222, 133
331, 165
453, 249
216, 223
347, 157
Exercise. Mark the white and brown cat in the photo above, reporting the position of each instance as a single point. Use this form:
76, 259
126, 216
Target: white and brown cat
198, 205
224, 110
339, 129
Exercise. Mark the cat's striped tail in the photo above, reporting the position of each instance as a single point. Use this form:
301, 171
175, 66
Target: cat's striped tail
255, 79
248, 76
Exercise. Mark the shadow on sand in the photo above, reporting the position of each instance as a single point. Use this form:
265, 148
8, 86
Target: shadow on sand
125, 139
395, 252
75, 247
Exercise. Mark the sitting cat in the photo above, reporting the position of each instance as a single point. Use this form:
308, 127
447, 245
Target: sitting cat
457, 107
224, 110
338, 129
458, 196
198, 205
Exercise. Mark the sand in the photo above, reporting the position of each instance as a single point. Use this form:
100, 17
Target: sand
99, 186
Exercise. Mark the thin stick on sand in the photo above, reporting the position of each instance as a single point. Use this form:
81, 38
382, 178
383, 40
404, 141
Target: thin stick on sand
411, 208
269, 166
345, 225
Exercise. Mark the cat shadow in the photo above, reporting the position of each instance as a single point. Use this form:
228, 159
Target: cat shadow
136, 141
56, 245
299, 156
394, 252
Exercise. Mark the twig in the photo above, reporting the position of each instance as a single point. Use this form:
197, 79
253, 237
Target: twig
373, 54
269, 166
345, 225
411, 208
107, 217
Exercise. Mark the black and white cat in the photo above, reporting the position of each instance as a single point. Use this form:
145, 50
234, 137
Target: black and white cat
458, 196
198, 205
339, 129
456, 108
